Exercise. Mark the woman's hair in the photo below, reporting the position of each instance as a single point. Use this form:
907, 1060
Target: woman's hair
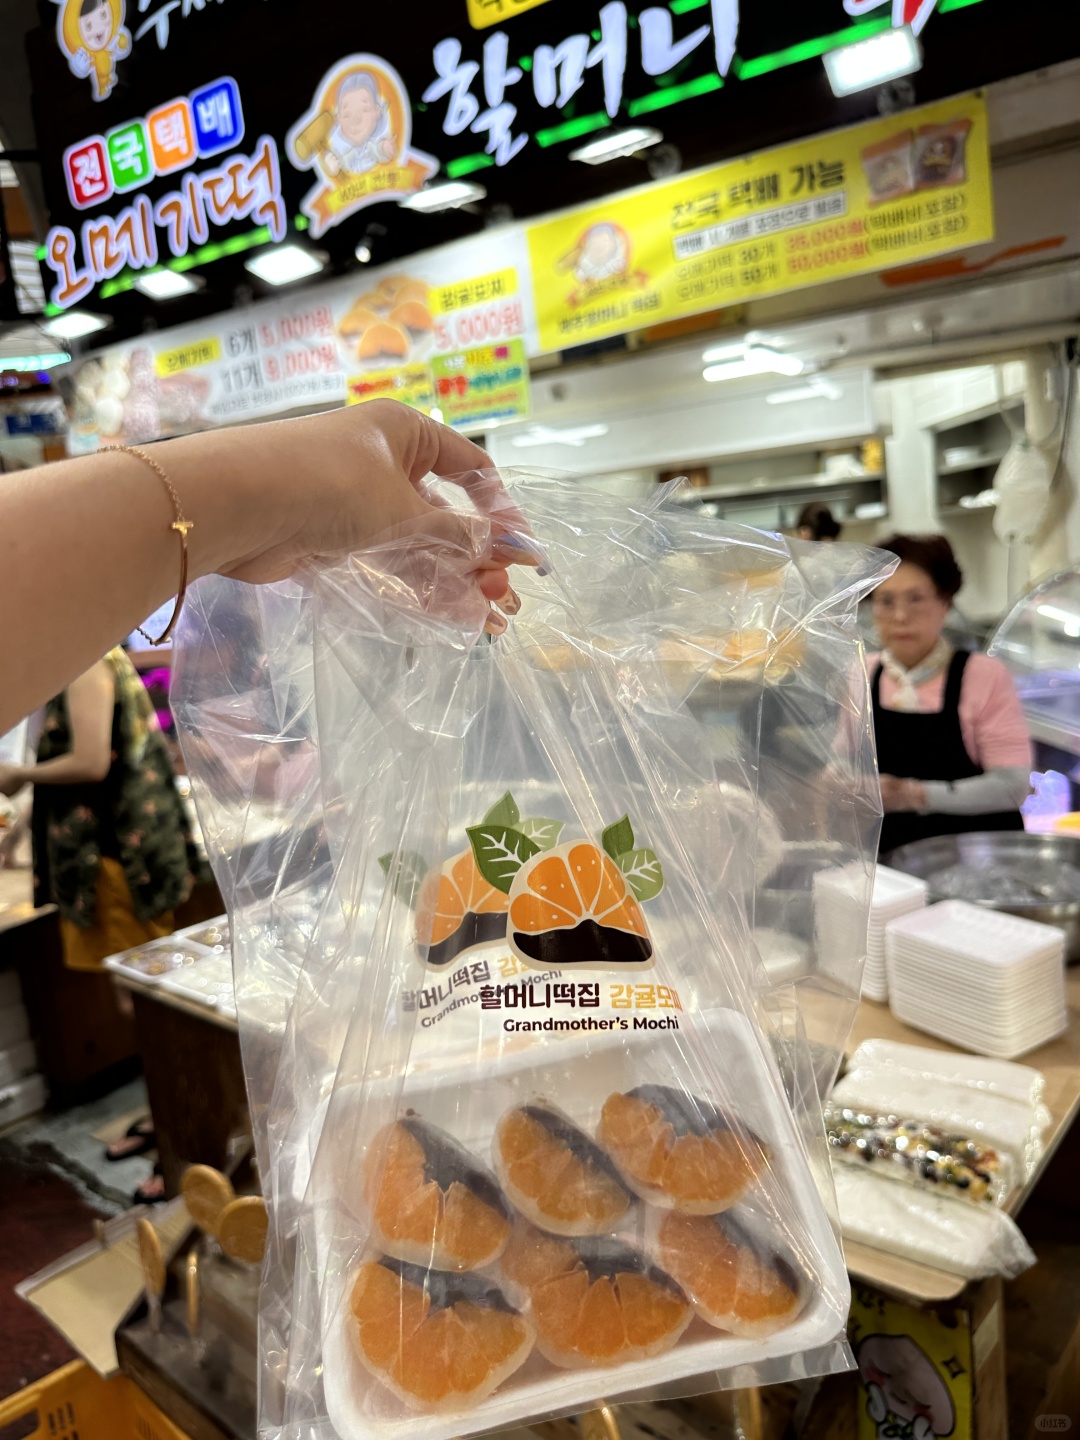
818, 519
931, 553
88, 5
360, 80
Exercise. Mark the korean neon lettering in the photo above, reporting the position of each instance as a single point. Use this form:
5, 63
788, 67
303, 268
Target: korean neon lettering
112, 242
87, 173
659, 50
182, 215
129, 156
73, 283
455, 78
172, 137
219, 119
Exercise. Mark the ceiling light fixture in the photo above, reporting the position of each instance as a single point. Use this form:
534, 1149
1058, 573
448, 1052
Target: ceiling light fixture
24, 363
166, 284
284, 264
617, 144
450, 195
874, 61
754, 360
74, 324
363, 253
575, 436
717, 353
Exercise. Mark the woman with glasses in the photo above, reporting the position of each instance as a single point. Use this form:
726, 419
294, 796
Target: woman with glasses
953, 747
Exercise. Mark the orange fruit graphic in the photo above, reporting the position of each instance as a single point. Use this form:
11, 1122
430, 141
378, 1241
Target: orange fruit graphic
457, 908
439, 1342
737, 1281
431, 1202
569, 907
556, 1175
678, 1151
594, 1301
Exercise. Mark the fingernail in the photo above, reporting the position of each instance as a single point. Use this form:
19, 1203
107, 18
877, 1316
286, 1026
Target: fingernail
495, 623
531, 547
510, 603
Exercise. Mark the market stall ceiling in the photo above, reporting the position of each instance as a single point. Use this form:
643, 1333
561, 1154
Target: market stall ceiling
776, 90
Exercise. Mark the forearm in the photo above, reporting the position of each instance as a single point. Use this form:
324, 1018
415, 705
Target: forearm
87, 550
64, 770
1003, 789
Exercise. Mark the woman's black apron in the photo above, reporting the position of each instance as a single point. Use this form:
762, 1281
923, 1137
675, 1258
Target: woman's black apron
929, 747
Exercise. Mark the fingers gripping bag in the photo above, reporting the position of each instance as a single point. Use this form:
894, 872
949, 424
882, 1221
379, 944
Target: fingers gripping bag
527, 1141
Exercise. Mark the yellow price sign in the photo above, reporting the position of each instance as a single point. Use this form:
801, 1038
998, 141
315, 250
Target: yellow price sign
187, 357
499, 285
483, 13
878, 196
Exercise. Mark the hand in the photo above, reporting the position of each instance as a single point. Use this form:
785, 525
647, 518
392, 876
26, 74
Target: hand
333, 483
12, 779
81, 63
901, 794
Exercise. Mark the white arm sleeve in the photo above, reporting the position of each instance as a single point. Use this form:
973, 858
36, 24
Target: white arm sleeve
1005, 788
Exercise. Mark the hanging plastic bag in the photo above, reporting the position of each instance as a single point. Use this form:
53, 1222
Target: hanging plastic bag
558, 1160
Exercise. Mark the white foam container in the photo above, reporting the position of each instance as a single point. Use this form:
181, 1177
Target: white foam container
580, 1075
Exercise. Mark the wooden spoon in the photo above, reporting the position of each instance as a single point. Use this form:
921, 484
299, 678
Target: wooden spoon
206, 1193
152, 1260
243, 1227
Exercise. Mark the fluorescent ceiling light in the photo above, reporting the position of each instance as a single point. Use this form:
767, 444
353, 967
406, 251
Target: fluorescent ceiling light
74, 324
817, 388
23, 363
755, 360
363, 253
547, 435
166, 284
617, 144
724, 352
874, 61
449, 196
284, 264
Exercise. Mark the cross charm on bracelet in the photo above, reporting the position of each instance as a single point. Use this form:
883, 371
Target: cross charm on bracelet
183, 526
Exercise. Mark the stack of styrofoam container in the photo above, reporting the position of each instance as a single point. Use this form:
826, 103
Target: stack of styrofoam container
986, 981
839, 898
22, 1092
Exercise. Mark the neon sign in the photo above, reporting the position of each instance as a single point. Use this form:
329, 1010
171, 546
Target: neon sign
904, 12
242, 187
198, 126
558, 71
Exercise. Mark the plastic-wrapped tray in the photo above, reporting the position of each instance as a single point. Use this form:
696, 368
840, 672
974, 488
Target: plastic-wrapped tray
151, 963
213, 934
362, 1409
209, 983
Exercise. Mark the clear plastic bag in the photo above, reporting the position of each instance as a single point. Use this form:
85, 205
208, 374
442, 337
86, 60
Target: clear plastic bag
500, 1188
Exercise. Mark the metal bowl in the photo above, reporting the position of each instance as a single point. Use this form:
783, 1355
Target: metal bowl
1029, 859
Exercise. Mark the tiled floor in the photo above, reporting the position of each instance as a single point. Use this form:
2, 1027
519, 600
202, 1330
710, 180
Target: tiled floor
54, 1182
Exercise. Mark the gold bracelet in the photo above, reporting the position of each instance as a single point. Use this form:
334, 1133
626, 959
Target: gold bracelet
180, 525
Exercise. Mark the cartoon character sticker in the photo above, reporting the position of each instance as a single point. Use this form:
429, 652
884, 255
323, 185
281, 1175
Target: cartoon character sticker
906, 1395
93, 36
601, 261
356, 137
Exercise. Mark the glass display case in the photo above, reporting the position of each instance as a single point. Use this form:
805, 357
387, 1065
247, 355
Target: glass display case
1039, 640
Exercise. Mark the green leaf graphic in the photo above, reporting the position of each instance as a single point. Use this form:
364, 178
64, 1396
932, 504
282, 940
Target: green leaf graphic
500, 853
503, 812
406, 876
545, 832
617, 839
643, 871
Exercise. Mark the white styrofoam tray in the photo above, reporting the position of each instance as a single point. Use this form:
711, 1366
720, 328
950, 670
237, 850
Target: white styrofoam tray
581, 1077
